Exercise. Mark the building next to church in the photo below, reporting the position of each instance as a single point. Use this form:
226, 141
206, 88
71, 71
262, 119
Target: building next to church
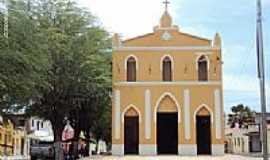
12, 139
247, 139
167, 93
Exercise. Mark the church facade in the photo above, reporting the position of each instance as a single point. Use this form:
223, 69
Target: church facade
167, 93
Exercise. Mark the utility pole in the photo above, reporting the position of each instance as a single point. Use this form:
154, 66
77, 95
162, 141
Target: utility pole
261, 76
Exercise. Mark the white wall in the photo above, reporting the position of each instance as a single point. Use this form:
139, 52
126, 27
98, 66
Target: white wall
238, 142
35, 124
35, 121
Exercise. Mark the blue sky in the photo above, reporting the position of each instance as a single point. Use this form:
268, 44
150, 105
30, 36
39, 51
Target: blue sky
235, 20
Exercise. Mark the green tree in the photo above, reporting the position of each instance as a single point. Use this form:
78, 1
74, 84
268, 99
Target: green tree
102, 122
61, 60
20, 58
77, 69
241, 115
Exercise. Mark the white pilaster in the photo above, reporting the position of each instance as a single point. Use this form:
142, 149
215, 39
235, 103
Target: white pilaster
187, 113
218, 115
117, 115
15, 147
217, 149
147, 149
187, 149
147, 99
118, 149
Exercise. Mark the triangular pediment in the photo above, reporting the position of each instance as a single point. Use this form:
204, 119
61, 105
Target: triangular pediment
164, 38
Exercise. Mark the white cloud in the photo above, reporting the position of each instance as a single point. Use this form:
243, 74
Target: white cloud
241, 83
128, 17
243, 89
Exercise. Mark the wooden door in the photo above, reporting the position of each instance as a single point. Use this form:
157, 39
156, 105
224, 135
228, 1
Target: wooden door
167, 133
131, 135
203, 134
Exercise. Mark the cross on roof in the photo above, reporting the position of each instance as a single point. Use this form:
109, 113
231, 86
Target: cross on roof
166, 2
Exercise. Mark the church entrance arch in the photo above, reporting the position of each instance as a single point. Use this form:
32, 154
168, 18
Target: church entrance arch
167, 126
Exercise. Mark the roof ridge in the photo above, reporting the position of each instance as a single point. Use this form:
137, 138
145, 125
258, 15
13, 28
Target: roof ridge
194, 36
140, 36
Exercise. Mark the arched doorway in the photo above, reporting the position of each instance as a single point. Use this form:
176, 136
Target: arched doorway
203, 131
167, 126
131, 131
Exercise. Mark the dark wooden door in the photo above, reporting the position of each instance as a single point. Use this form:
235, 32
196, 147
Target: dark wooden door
167, 133
203, 128
131, 135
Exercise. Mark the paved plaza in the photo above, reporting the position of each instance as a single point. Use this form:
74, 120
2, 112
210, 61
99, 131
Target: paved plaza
225, 157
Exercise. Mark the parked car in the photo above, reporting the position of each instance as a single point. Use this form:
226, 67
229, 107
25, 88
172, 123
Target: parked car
42, 150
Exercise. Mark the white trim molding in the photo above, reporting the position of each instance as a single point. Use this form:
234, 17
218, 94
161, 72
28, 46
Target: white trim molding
207, 59
162, 83
218, 115
161, 61
175, 101
217, 149
136, 59
187, 113
169, 48
187, 149
117, 114
129, 107
147, 149
207, 108
148, 114
118, 149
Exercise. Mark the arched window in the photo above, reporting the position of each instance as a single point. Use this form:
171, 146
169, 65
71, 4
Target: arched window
202, 69
131, 69
167, 69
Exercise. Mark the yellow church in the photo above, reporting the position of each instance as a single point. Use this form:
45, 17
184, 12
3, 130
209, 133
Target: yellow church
167, 93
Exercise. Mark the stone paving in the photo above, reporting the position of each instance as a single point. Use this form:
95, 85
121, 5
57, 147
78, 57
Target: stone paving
225, 157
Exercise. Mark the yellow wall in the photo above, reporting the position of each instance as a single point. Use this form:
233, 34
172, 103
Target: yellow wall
184, 70
149, 65
10, 139
135, 95
6, 131
19, 136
